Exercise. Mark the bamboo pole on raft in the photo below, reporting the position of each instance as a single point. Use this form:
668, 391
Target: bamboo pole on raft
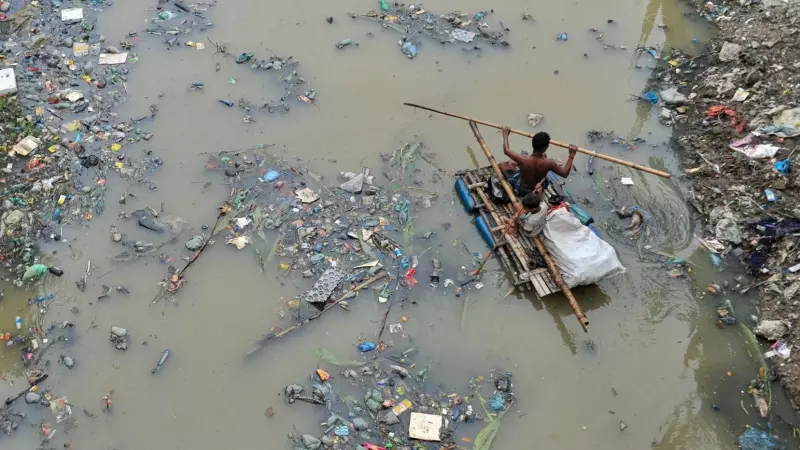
551, 266
552, 142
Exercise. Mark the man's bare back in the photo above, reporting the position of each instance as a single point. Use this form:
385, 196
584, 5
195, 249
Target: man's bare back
533, 169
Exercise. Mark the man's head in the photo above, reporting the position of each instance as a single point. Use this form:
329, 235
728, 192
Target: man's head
540, 142
531, 201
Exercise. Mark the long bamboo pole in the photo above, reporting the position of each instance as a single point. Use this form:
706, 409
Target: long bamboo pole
556, 143
554, 272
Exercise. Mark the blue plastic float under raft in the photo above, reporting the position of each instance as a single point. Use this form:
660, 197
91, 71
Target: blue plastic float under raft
485, 231
463, 193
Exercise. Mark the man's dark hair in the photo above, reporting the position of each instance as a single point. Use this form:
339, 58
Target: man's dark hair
531, 201
540, 141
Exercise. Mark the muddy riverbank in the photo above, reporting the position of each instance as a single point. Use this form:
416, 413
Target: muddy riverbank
738, 123
652, 334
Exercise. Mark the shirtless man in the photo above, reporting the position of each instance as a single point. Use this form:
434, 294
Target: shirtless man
533, 169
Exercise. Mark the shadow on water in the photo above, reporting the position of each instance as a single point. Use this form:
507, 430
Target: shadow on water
556, 305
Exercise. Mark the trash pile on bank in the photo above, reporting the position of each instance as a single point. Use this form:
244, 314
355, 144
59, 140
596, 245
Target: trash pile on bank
737, 113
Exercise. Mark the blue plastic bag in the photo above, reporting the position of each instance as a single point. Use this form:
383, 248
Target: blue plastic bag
783, 166
367, 346
498, 402
651, 97
271, 175
715, 259
757, 439
409, 49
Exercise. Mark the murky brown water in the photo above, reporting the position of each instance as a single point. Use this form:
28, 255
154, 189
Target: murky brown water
652, 338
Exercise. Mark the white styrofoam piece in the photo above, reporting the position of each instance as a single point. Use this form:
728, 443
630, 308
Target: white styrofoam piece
112, 58
425, 427
71, 14
8, 82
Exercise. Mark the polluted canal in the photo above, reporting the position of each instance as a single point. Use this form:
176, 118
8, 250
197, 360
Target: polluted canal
281, 169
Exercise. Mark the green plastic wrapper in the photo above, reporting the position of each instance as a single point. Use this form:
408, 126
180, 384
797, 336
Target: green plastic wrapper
36, 271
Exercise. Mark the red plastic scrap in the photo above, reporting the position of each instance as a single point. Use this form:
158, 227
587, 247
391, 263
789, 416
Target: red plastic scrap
34, 163
736, 121
47, 430
739, 124
368, 446
409, 277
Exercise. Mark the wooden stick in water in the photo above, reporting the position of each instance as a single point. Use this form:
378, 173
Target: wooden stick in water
12, 399
554, 272
556, 143
270, 336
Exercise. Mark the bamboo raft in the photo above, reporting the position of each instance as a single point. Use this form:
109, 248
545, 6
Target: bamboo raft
518, 254
525, 267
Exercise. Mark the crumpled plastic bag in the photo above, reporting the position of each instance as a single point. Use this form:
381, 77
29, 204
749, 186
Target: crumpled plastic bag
757, 439
726, 227
498, 402
747, 146
498, 194
534, 119
353, 185
322, 390
240, 241
36, 271
671, 96
771, 330
306, 195
785, 125
310, 442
